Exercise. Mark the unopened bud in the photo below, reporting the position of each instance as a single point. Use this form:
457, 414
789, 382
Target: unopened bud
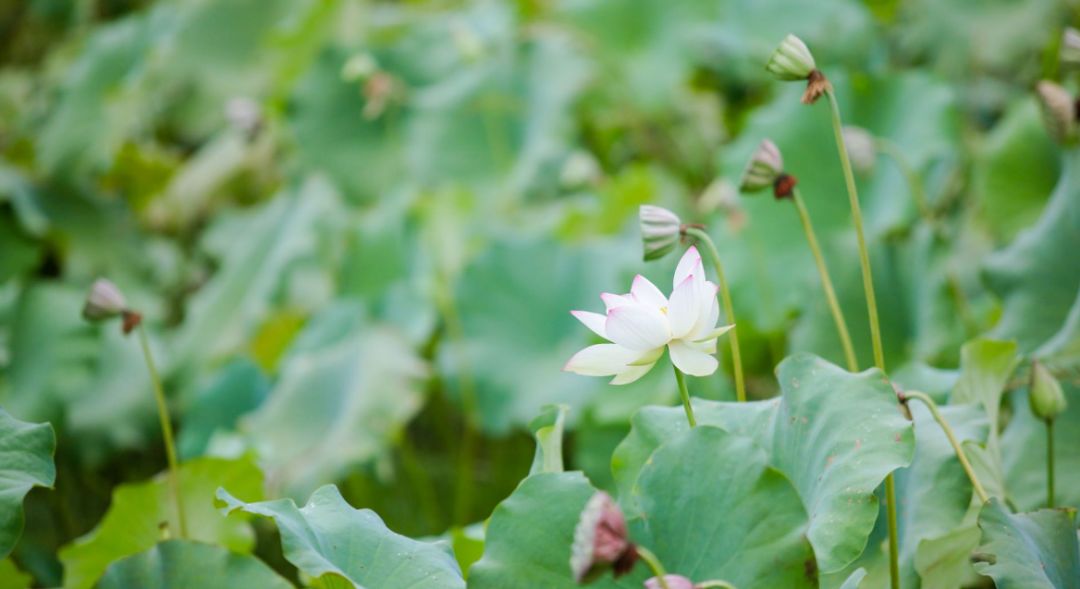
672, 582
660, 231
1070, 48
1058, 109
791, 60
860, 148
104, 301
601, 541
1045, 395
764, 168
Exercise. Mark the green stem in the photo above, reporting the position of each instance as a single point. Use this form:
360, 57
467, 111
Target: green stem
166, 432
1050, 463
685, 394
932, 406
729, 309
654, 564
875, 328
469, 405
714, 585
914, 182
826, 282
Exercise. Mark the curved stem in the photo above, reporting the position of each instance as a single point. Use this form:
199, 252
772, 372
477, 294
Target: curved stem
826, 282
932, 406
685, 394
654, 564
871, 308
1050, 463
729, 309
914, 182
166, 432
714, 585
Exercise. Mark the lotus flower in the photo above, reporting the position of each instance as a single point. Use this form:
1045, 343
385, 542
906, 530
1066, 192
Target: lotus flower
643, 322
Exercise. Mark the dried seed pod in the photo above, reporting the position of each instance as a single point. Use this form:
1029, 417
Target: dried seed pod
764, 167
1058, 109
791, 60
660, 231
104, 301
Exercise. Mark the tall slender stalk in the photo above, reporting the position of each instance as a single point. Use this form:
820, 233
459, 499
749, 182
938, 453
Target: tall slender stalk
826, 282
654, 565
729, 309
957, 448
166, 432
1050, 463
685, 394
875, 328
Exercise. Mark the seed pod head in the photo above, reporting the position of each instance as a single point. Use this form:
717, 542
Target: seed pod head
673, 582
1070, 48
1045, 395
601, 541
104, 301
765, 166
860, 148
660, 231
1058, 109
791, 60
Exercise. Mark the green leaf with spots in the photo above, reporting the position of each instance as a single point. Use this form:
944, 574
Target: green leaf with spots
345, 547
836, 435
183, 564
1036, 550
26, 461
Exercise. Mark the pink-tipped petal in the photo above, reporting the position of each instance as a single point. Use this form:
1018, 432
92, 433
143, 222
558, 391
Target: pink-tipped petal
638, 327
645, 292
691, 359
683, 311
688, 264
594, 321
601, 360
614, 301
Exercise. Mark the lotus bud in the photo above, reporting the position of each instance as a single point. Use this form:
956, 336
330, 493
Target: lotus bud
1058, 109
860, 148
791, 60
601, 541
672, 581
104, 301
1070, 47
661, 230
1045, 395
765, 170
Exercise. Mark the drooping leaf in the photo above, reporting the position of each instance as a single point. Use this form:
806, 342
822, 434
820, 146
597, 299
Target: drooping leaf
139, 511
1035, 550
184, 564
26, 461
548, 430
345, 391
836, 435
329, 539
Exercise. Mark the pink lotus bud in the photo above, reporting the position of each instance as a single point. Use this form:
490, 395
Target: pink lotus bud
601, 541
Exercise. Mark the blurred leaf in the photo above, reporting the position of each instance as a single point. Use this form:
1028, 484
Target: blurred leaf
853, 581
1023, 449
834, 434
11, 577
26, 461
346, 390
328, 538
945, 562
138, 511
183, 564
548, 428
236, 390
529, 537
1035, 275
1036, 550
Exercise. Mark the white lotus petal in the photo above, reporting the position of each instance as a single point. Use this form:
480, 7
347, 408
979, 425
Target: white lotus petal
594, 321
715, 333
691, 360
601, 360
708, 310
649, 358
683, 310
688, 264
645, 292
614, 301
632, 373
638, 327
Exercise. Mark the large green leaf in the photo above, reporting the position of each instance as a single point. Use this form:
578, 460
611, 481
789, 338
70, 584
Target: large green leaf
1023, 453
183, 564
26, 461
712, 508
945, 562
1036, 276
529, 535
138, 512
1036, 550
328, 539
836, 435
346, 390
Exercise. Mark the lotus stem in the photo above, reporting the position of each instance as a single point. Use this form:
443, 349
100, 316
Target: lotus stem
960, 454
685, 394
